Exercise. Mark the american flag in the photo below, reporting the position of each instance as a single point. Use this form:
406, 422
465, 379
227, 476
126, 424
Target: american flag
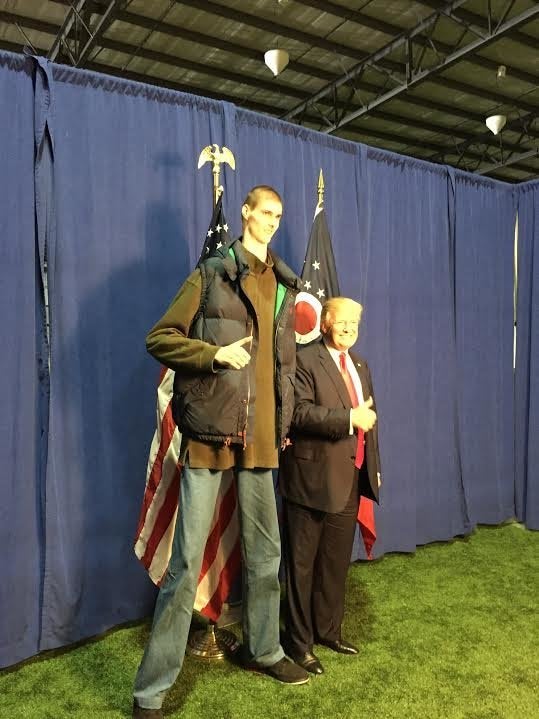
320, 283
155, 530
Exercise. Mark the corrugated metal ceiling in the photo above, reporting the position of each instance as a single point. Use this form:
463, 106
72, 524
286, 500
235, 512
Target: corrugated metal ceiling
414, 77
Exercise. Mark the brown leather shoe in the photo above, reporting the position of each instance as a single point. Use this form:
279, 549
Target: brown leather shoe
284, 671
142, 713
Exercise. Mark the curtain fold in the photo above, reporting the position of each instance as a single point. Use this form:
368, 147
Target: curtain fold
407, 335
23, 370
527, 359
484, 227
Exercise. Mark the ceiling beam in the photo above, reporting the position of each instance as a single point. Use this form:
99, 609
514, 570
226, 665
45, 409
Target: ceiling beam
79, 50
260, 23
375, 23
114, 71
69, 20
215, 42
520, 125
316, 41
392, 30
482, 22
199, 38
210, 41
475, 155
161, 57
252, 81
320, 74
164, 58
414, 78
511, 160
486, 94
251, 105
101, 27
271, 86
451, 132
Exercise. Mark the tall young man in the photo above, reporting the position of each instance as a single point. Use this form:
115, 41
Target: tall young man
229, 337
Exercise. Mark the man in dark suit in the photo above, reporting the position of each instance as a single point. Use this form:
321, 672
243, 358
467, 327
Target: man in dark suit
332, 461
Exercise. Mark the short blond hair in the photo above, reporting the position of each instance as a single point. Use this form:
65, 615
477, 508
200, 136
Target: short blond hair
331, 306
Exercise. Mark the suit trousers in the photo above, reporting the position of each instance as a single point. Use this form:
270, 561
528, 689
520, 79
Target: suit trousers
261, 553
317, 548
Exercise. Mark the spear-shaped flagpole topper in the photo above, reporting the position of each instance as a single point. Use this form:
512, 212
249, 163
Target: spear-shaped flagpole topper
320, 189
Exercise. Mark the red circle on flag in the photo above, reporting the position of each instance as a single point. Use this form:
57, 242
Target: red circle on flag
306, 318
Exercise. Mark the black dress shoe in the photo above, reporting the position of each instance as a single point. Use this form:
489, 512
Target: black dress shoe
339, 645
309, 662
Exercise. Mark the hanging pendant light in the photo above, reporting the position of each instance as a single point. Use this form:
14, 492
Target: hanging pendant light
495, 123
276, 60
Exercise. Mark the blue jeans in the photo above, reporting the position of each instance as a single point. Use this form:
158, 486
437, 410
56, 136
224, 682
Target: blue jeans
261, 551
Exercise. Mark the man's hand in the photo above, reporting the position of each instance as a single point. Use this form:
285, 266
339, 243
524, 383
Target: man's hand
234, 355
363, 416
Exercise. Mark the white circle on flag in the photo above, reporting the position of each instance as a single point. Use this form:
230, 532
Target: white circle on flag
308, 309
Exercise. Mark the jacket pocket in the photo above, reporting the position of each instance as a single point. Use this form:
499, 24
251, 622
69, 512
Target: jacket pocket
304, 453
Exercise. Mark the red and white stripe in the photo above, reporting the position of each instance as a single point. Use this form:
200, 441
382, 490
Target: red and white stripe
155, 530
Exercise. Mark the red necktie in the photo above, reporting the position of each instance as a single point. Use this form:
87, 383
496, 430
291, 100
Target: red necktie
360, 451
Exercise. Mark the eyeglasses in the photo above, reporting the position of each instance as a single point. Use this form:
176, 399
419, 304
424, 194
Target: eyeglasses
341, 324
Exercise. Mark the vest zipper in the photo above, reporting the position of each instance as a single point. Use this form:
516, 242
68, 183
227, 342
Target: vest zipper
279, 418
244, 432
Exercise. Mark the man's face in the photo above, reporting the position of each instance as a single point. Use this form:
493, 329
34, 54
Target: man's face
262, 220
341, 327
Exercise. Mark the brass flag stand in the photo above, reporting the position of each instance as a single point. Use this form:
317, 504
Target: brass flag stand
214, 642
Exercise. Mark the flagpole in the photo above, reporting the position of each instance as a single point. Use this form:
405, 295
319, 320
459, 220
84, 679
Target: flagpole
214, 642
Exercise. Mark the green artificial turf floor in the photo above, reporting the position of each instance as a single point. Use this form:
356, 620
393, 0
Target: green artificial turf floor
450, 632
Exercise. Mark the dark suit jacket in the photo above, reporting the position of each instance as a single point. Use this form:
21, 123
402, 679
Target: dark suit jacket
318, 470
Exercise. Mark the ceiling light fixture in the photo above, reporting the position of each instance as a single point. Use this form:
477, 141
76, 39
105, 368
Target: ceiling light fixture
276, 60
495, 123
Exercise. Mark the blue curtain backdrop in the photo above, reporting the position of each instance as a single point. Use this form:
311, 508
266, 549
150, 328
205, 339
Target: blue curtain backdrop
128, 233
405, 270
484, 226
115, 203
527, 359
21, 420
289, 158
